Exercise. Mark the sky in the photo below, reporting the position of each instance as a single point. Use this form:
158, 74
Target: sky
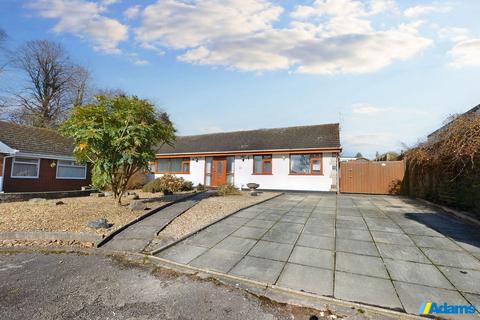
390, 72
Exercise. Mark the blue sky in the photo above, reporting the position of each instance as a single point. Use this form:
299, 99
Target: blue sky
389, 71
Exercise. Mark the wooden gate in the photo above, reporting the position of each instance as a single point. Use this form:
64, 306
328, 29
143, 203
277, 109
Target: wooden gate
372, 177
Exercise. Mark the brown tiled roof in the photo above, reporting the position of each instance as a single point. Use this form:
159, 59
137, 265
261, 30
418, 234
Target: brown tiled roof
35, 140
301, 137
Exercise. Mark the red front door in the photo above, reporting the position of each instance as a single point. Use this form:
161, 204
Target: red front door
219, 171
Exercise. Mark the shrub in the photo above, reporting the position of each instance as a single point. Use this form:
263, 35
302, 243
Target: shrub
201, 187
226, 189
137, 180
168, 184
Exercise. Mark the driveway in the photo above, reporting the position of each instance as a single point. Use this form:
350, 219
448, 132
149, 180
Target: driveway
378, 250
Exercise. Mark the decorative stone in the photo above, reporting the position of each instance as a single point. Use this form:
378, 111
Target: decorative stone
137, 205
108, 193
59, 203
136, 197
99, 224
97, 194
253, 193
37, 200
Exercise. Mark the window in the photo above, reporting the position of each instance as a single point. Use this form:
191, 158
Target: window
230, 169
306, 163
262, 164
173, 165
26, 168
208, 171
71, 170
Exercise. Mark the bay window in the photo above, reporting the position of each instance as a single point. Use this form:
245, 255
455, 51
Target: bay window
306, 164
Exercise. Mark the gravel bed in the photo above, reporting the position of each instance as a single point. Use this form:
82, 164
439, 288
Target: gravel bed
209, 210
74, 214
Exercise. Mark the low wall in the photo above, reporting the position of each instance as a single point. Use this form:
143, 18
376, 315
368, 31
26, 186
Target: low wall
25, 196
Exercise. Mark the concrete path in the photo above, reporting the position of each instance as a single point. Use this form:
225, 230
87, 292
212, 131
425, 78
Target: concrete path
136, 237
379, 250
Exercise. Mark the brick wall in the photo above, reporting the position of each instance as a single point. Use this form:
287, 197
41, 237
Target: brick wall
46, 181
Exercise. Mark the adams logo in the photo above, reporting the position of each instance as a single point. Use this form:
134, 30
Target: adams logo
445, 308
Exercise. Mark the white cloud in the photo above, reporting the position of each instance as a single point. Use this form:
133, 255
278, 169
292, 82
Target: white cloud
365, 109
328, 37
132, 12
178, 24
421, 10
465, 53
84, 19
141, 62
454, 34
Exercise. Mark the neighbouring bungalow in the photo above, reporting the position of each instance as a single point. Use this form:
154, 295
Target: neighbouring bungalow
37, 160
303, 158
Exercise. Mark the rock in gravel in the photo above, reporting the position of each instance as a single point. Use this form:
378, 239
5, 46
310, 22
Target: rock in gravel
137, 205
37, 200
59, 203
97, 194
108, 193
101, 223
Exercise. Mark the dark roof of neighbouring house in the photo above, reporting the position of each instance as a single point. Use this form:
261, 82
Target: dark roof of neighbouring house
475, 109
301, 137
35, 140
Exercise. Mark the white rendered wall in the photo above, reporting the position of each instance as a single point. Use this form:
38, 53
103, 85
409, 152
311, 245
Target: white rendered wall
1, 184
197, 171
281, 179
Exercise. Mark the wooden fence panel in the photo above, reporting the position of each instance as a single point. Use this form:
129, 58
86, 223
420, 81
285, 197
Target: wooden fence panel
370, 177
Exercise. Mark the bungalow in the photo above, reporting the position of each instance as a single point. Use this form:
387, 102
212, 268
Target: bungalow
36, 159
303, 158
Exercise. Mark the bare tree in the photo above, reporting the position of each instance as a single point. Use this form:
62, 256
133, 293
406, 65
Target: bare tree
53, 84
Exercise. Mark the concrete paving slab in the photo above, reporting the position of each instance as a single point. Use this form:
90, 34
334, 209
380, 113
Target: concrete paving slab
318, 242
413, 295
312, 257
319, 230
217, 260
401, 252
271, 250
435, 242
463, 279
293, 219
205, 239
135, 245
236, 221
250, 232
260, 223
182, 253
353, 234
247, 214
269, 216
307, 279
303, 214
474, 299
365, 265
358, 247
348, 224
412, 272
238, 245
452, 259
280, 236
471, 246
259, 269
288, 227
392, 238
364, 289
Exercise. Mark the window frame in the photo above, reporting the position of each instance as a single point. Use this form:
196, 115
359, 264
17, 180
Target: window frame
182, 163
70, 166
14, 160
269, 159
310, 161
